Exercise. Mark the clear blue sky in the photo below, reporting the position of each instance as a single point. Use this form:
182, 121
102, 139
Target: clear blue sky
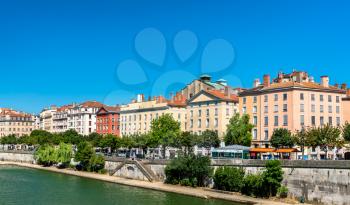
62, 51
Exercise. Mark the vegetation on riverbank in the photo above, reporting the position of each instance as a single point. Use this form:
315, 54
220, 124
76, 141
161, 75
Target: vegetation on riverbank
265, 184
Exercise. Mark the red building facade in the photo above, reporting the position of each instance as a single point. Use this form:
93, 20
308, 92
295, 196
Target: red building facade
108, 120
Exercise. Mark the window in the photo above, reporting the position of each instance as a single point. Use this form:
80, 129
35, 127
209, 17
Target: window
276, 121
302, 120
216, 112
329, 98
337, 109
301, 107
330, 109
266, 121
321, 98
266, 98
191, 123
313, 108
313, 120
321, 109
255, 120
207, 112
321, 120
244, 100
312, 97
244, 109
330, 120
285, 97
285, 120
266, 133
216, 123
199, 123
255, 109
275, 108
285, 107
255, 99
227, 111
338, 121
199, 113
337, 99
191, 113
266, 109
301, 96
276, 97
255, 134
207, 123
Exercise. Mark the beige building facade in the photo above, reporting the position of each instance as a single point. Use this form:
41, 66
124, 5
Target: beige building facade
292, 101
15, 123
136, 117
46, 118
210, 110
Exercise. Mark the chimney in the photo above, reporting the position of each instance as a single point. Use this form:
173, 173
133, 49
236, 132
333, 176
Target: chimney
325, 81
267, 80
226, 91
336, 85
311, 79
256, 83
280, 77
344, 86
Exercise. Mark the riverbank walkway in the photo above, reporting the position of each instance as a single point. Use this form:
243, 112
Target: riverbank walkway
158, 186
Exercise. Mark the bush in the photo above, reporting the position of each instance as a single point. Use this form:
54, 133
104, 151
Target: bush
253, 185
282, 192
45, 155
273, 176
87, 158
96, 163
189, 171
229, 179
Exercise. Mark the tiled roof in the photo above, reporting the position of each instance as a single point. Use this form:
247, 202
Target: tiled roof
91, 104
112, 108
291, 84
64, 108
13, 113
222, 96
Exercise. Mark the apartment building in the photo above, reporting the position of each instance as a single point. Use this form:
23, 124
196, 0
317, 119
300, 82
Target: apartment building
108, 120
82, 117
60, 119
211, 110
291, 101
46, 118
137, 116
15, 123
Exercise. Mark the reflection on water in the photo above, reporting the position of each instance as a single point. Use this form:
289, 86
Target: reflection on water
29, 186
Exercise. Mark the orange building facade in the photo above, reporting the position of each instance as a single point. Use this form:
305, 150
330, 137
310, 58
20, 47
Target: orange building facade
292, 101
107, 121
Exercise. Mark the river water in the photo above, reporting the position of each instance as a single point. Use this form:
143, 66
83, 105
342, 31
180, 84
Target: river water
29, 186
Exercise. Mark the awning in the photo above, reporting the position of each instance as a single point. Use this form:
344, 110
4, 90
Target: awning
267, 150
286, 150
261, 150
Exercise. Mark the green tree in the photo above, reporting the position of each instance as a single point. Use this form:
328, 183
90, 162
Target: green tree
10, 139
281, 137
327, 137
239, 131
94, 138
187, 140
96, 163
346, 132
111, 141
300, 139
84, 154
64, 154
208, 139
272, 176
42, 137
165, 131
45, 155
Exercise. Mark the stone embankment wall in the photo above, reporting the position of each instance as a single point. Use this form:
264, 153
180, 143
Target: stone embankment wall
319, 182
17, 156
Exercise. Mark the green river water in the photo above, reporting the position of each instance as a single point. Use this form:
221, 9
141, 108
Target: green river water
30, 186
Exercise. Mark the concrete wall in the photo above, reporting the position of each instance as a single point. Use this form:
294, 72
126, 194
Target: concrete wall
17, 156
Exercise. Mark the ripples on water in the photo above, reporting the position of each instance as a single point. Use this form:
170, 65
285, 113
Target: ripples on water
28, 186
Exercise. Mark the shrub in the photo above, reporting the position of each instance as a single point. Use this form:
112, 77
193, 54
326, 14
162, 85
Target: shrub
45, 155
253, 185
188, 171
229, 179
273, 176
282, 192
96, 163
88, 159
